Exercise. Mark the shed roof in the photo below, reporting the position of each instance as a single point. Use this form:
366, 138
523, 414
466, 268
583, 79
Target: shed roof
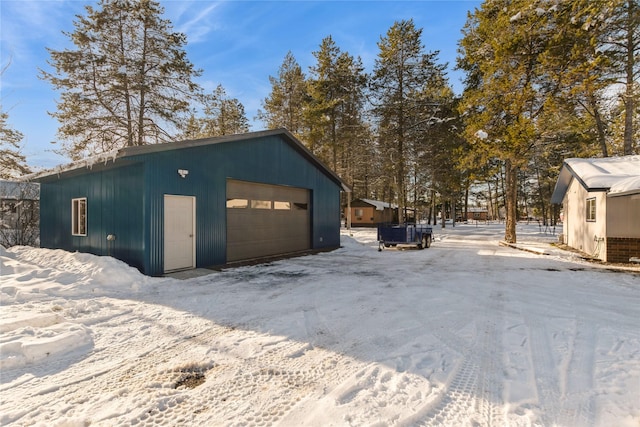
618, 175
128, 152
380, 206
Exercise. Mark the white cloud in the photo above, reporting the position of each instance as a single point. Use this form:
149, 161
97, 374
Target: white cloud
197, 25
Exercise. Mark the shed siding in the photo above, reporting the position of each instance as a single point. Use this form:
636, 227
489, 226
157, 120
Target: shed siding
623, 232
582, 234
623, 214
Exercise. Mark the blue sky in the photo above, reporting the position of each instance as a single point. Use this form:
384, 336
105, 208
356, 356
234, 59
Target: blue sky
238, 44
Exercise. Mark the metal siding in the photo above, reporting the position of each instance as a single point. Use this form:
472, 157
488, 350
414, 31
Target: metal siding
326, 213
114, 206
269, 160
52, 212
202, 182
132, 199
124, 215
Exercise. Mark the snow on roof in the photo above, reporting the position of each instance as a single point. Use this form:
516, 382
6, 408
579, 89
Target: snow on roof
380, 206
600, 174
87, 163
605, 172
626, 186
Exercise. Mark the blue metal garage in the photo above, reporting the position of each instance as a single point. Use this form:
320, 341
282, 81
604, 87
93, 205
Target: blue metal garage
197, 203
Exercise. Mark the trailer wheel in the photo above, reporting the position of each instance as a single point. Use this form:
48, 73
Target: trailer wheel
426, 241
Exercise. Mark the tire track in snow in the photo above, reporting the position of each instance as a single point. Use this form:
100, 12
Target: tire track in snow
489, 406
474, 392
567, 397
547, 384
579, 378
117, 364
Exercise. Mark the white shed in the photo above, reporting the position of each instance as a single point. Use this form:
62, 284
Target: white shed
601, 203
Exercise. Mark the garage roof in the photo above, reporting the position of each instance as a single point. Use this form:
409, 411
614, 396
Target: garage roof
103, 159
618, 175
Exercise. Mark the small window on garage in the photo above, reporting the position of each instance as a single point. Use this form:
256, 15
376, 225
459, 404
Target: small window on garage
281, 206
261, 204
237, 203
301, 206
591, 209
79, 217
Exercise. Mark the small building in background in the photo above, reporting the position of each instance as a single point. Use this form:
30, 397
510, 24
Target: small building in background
601, 206
197, 203
19, 213
477, 214
370, 213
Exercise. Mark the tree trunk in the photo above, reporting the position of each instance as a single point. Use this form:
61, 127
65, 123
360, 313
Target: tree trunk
629, 102
434, 213
541, 195
491, 212
600, 126
466, 202
511, 199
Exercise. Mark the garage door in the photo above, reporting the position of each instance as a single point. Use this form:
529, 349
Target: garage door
265, 220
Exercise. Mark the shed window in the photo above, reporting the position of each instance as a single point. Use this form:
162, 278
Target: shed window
359, 212
591, 209
79, 217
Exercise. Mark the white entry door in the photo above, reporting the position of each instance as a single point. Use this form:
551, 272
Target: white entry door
179, 232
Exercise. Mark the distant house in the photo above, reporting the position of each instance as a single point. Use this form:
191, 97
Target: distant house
198, 203
370, 213
477, 214
19, 213
601, 206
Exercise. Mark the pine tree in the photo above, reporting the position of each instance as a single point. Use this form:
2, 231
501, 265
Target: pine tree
594, 49
12, 163
403, 84
325, 96
223, 115
505, 94
192, 128
334, 112
126, 82
578, 74
354, 146
622, 44
284, 107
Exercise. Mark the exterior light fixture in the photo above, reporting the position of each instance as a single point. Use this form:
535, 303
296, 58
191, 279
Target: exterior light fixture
183, 173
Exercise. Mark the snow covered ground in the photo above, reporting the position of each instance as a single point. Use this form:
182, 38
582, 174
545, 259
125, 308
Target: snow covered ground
465, 333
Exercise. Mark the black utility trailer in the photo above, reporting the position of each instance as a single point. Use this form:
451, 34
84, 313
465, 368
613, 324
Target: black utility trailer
392, 235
